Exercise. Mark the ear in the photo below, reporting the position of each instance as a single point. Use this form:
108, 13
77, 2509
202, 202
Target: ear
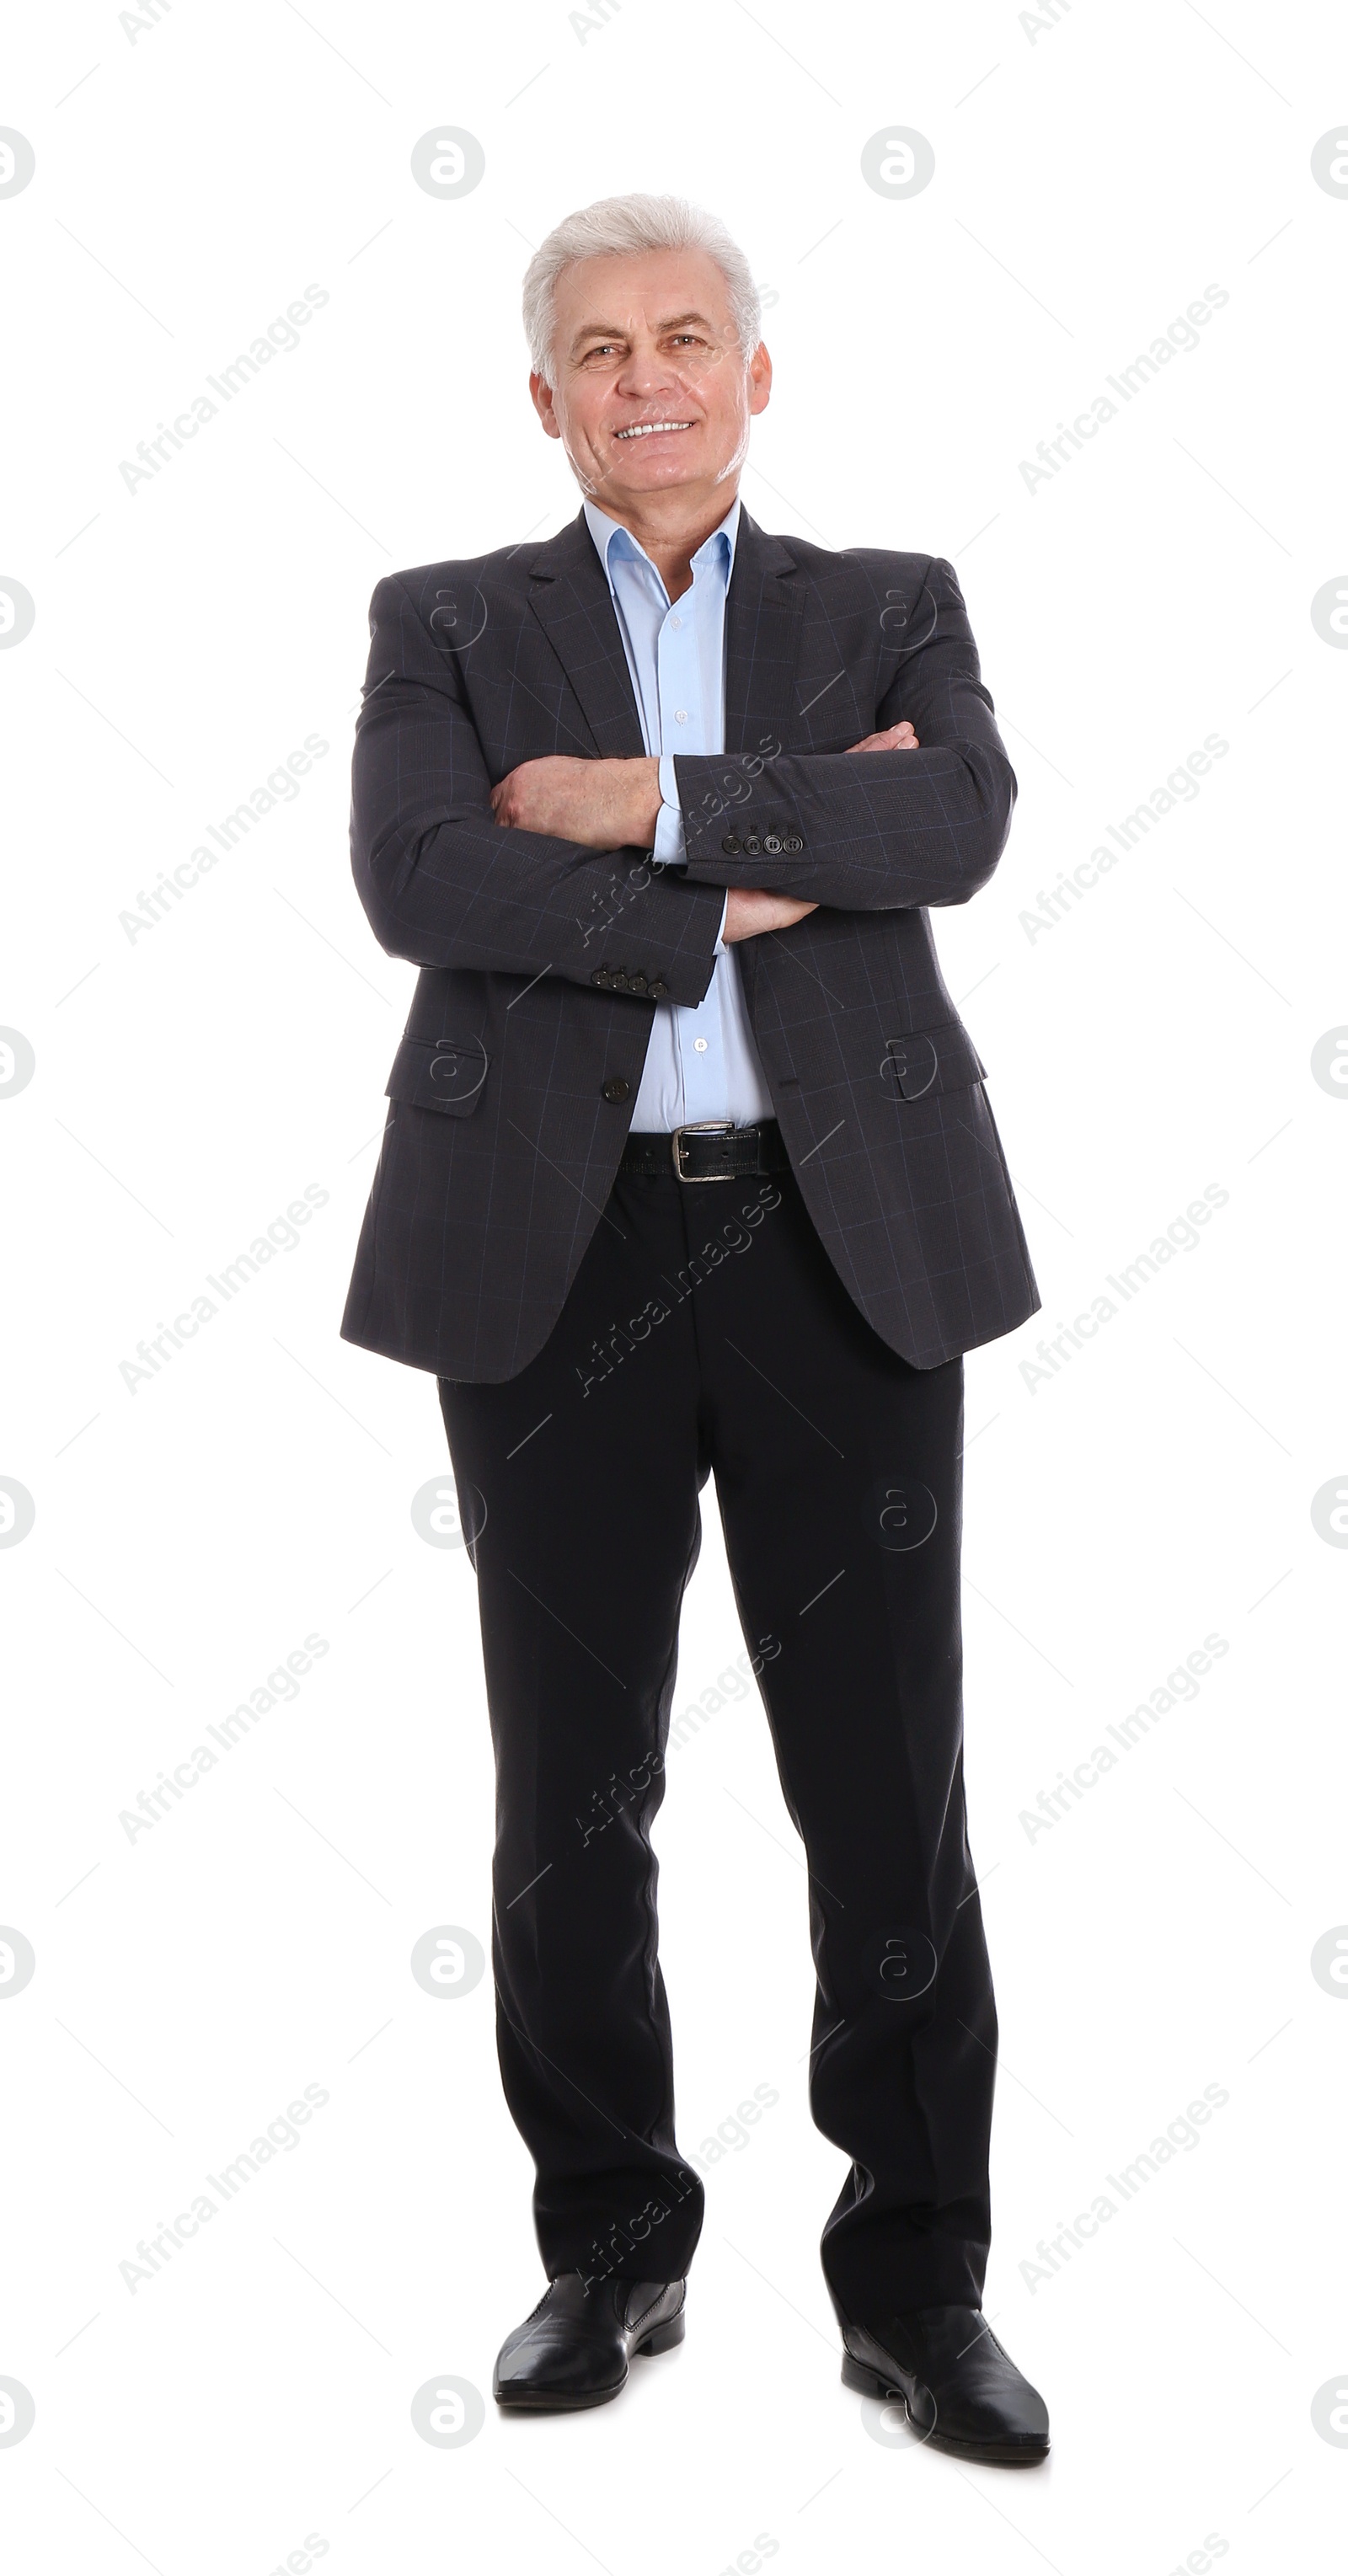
542, 401
760, 380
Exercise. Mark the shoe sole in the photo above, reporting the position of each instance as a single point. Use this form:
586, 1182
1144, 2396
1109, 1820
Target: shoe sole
543, 2402
1003, 2455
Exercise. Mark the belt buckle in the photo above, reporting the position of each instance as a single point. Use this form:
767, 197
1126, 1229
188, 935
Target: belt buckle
700, 1127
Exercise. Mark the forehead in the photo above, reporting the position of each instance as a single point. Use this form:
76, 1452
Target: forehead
640, 289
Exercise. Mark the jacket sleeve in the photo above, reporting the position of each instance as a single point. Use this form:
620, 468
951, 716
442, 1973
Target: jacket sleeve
869, 831
444, 884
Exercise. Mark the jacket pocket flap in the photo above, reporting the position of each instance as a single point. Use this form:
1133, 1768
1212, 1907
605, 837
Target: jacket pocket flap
931, 1060
439, 1073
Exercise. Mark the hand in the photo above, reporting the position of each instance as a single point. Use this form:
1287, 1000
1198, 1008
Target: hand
604, 804
750, 910
751, 907
899, 737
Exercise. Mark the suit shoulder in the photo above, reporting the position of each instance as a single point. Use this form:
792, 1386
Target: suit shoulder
503, 567
883, 565
876, 570
909, 560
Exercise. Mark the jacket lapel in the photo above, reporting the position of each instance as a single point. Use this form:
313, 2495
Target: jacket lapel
569, 596
762, 640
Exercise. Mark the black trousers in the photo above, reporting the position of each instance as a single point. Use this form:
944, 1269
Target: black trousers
706, 1332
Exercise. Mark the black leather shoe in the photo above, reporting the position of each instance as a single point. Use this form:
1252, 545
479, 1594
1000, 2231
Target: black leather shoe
574, 2349
963, 2392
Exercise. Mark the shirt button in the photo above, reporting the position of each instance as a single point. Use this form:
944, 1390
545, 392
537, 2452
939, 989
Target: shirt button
615, 1089
700, 1045
676, 621
681, 715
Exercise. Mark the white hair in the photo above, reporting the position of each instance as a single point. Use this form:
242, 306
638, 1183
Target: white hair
627, 225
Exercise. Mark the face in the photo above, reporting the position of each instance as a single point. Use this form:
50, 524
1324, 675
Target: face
652, 393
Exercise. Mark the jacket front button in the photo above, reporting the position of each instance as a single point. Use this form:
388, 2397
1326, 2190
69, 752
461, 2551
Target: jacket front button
616, 1090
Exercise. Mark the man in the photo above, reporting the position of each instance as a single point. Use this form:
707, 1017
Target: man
689, 1170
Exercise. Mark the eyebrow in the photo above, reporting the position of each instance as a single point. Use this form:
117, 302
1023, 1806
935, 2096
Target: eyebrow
615, 330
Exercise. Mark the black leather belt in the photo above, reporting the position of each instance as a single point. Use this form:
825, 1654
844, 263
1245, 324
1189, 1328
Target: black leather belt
713, 1150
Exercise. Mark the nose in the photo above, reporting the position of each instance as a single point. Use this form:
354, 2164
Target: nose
645, 371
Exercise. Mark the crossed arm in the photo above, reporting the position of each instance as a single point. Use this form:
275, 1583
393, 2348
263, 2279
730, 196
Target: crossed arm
605, 803
921, 817
901, 825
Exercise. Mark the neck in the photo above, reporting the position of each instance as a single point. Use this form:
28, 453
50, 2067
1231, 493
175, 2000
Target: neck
670, 526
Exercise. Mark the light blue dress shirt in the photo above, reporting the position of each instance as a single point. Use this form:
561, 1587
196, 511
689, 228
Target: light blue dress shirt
700, 1062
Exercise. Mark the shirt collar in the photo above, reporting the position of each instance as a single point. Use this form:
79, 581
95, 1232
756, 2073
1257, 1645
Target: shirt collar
611, 538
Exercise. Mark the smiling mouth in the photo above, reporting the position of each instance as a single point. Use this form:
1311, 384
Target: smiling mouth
651, 428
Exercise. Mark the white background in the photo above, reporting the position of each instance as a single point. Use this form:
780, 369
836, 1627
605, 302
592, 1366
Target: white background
1093, 176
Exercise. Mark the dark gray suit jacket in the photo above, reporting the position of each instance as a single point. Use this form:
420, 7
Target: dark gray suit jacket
542, 962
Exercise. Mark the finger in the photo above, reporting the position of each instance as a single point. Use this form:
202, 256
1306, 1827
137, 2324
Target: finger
899, 737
